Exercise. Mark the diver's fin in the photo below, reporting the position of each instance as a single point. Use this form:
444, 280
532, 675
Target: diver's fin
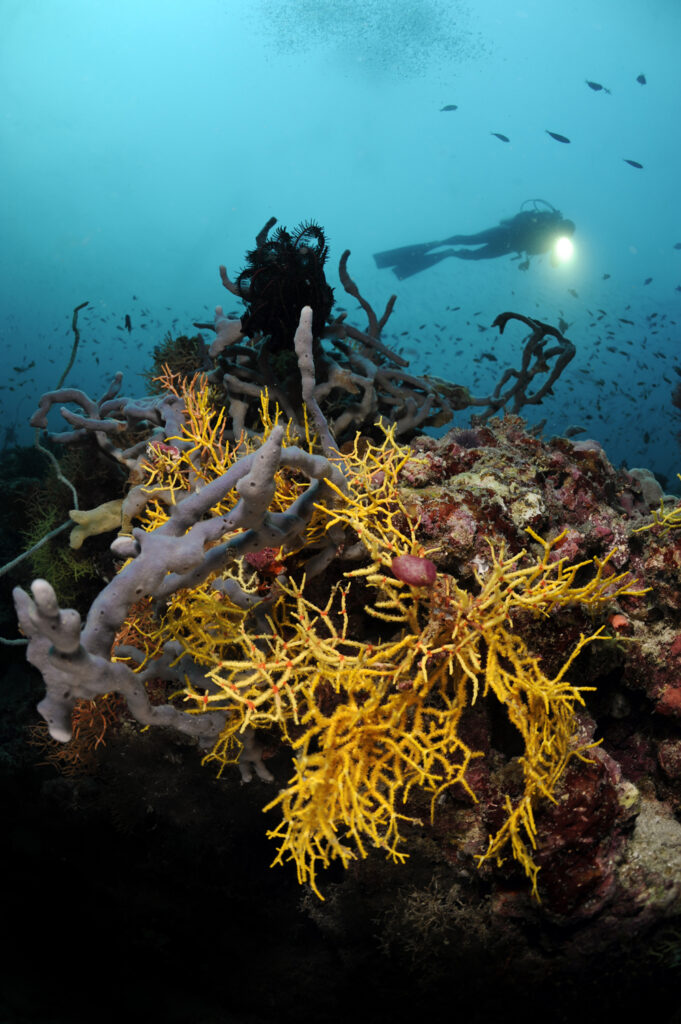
390, 257
409, 267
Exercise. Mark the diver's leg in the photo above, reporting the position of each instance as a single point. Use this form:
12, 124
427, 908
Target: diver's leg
409, 267
481, 238
404, 254
488, 252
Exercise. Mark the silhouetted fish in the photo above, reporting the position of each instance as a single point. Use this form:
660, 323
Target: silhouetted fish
450, 106
633, 163
596, 86
557, 137
678, 245
605, 277
498, 135
648, 280
641, 79
128, 323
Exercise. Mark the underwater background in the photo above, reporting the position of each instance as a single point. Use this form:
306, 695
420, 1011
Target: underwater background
144, 143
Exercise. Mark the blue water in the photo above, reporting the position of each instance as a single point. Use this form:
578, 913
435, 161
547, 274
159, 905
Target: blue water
145, 142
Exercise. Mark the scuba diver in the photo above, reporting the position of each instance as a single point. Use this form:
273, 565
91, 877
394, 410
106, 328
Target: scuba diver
530, 232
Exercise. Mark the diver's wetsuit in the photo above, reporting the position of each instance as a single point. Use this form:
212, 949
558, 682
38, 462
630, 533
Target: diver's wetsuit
530, 232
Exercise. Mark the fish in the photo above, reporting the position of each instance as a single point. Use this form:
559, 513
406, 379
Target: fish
450, 106
641, 79
605, 277
557, 137
648, 280
633, 163
498, 135
128, 323
596, 86
678, 245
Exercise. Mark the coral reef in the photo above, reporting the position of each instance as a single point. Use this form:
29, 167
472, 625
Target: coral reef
457, 654
359, 381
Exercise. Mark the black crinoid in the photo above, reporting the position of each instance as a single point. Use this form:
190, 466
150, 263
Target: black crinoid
283, 274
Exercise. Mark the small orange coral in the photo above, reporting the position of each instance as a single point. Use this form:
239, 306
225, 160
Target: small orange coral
92, 720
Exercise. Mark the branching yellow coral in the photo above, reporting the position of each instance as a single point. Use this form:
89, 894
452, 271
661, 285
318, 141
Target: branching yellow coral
203, 453
370, 721
402, 701
670, 520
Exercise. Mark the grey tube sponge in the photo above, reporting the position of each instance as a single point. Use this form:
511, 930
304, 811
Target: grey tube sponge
75, 659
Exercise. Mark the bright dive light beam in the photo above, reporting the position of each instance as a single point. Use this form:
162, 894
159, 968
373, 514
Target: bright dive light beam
563, 249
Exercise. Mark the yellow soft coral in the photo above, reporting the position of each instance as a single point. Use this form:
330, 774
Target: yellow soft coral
401, 700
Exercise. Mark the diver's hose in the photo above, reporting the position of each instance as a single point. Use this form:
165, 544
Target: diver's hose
545, 202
